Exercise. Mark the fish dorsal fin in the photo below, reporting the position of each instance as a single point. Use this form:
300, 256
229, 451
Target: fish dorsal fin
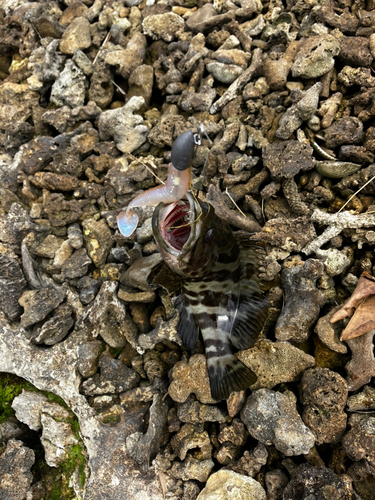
252, 305
162, 275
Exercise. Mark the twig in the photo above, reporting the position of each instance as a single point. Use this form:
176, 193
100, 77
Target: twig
234, 203
118, 88
355, 194
106, 39
146, 166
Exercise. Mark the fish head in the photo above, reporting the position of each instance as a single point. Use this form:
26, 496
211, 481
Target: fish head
190, 236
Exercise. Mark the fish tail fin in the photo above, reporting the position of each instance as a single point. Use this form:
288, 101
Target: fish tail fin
228, 374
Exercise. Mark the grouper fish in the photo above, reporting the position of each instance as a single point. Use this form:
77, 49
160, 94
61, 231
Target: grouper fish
216, 273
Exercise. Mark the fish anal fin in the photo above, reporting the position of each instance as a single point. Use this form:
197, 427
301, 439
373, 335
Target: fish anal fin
187, 328
228, 374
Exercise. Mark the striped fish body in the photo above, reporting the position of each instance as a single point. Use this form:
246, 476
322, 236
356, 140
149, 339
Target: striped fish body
220, 297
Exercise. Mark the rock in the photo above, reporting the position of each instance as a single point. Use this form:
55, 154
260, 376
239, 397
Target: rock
141, 83
324, 394
361, 368
306, 104
206, 17
190, 437
77, 265
144, 447
126, 128
224, 73
276, 481
354, 50
225, 484
272, 418
106, 316
38, 304
302, 301
164, 330
190, 377
348, 130
76, 36
315, 56
114, 378
275, 362
101, 87
55, 328
127, 60
329, 333
88, 356
10, 429
15, 471
129, 296
363, 476
34, 410
75, 236
165, 27
290, 235
88, 288
285, 159
138, 273
98, 239
69, 88
364, 400
251, 462
12, 284
194, 412
55, 182
318, 482
336, 261
192, 468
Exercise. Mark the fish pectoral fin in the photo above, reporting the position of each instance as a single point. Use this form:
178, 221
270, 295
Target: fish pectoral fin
228, 374
187, 328
249, 321
163, 276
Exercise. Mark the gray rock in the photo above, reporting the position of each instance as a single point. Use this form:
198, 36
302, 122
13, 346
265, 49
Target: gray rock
83, 62
75, 236
315, 56
10, 429
141, 82
302, 301
76, 36
275, 362
194, 412
329, 333
363, 476
34, 410
272, 418
138, 272
15, 471
364, 400
361, 368
336, 261
192, 468
144, 447
164, 330
38, 304
54, 329
88, 357
101, 87
226, 484
77, 265
12, 283
224, 73
69, 88
124, 126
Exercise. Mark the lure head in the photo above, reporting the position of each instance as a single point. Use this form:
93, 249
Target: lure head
183, 150
190, 236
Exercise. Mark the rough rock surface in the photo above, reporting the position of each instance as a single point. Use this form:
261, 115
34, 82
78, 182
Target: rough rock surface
228, 484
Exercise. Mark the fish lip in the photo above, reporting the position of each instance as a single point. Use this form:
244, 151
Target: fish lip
159, 215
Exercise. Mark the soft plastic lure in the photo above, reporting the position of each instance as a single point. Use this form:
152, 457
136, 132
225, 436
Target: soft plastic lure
178, 182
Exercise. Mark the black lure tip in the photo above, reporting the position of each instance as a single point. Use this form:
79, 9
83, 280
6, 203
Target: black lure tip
183, 150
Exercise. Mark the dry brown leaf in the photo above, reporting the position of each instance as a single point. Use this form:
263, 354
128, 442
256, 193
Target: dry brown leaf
360, 307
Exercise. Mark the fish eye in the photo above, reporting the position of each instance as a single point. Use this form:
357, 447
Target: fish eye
209, 236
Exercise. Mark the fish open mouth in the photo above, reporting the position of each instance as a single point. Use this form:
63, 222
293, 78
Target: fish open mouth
174, 224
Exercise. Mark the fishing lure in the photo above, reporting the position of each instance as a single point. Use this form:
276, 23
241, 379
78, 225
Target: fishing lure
178, 182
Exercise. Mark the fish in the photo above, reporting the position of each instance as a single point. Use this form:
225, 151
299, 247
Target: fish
215, 272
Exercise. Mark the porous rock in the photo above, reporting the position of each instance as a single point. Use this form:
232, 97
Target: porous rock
226, 484
315, 56
361, 368
190, 377
194, 412
275, 362
163, 26
285, 159
302, 301
323, 394
38, 304
69, 88
318, 482
272, 418
15, 471
12, 284
190, 437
